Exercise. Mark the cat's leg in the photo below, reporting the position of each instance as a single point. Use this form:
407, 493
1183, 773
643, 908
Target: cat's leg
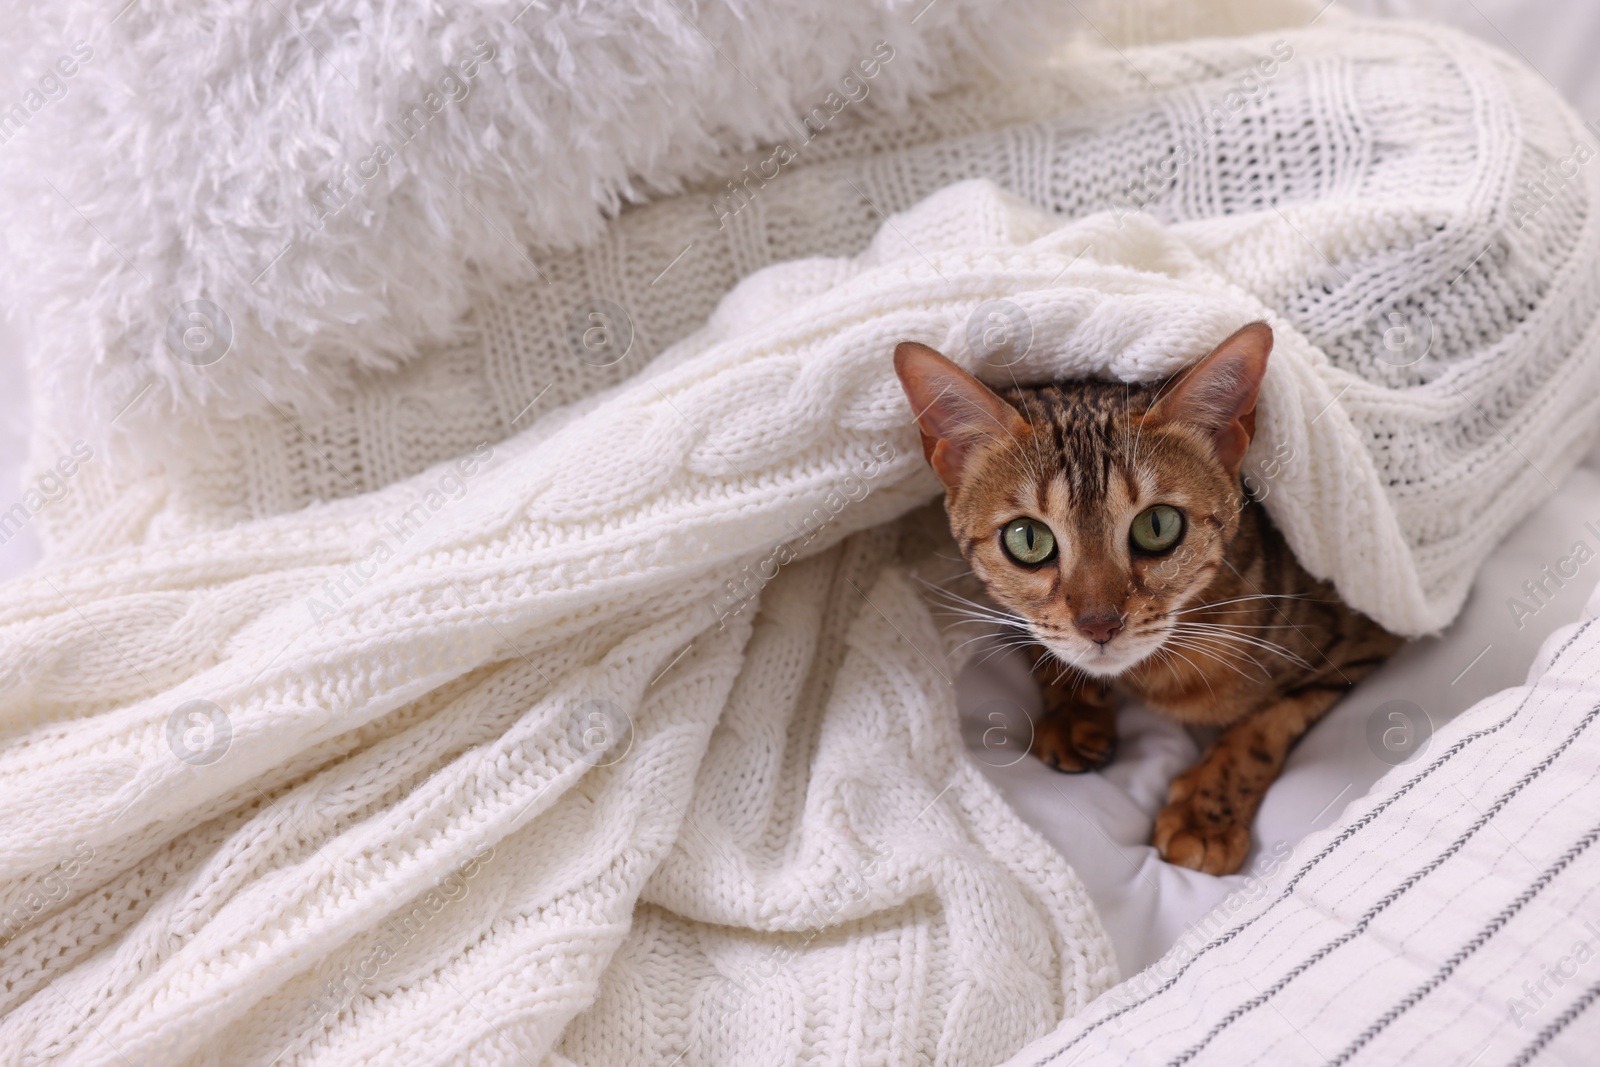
1210, 807
1077, 730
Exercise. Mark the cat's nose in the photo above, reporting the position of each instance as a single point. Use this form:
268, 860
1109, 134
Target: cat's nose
1099, 628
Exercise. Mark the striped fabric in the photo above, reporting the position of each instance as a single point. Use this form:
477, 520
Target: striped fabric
1451, 916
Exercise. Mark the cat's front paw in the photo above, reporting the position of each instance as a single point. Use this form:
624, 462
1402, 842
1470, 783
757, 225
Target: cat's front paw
1193, 831
1074, 745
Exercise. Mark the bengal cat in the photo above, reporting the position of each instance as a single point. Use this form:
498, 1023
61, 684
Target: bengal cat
1110, 523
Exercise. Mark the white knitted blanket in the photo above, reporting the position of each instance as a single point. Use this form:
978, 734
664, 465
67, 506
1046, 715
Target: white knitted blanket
495, 759
625, 737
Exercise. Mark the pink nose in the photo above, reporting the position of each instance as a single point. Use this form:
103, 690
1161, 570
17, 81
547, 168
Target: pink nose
1099, 628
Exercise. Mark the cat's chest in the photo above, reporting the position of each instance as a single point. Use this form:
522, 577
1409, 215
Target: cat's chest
1189, 693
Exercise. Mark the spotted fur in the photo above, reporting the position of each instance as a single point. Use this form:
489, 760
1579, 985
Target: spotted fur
1223, 629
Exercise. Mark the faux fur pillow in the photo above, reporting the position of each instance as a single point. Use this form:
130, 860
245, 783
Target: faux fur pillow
312, 186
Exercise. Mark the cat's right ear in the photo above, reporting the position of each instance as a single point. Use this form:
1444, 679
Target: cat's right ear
955, 412
1217, 396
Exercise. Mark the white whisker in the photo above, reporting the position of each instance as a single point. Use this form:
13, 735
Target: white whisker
1240, 600
1225, 633
1216, 653
1177, 652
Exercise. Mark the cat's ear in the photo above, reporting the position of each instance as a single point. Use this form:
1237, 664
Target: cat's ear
955, 412
1218, 395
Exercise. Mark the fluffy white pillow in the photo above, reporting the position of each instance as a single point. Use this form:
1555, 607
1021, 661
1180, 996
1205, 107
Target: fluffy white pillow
334, 175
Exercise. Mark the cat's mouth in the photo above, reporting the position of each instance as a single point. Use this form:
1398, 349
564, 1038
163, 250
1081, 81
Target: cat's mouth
1108, 659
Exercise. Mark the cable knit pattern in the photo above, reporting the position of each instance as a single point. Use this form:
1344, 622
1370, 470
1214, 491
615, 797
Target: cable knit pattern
474, 723
436, 713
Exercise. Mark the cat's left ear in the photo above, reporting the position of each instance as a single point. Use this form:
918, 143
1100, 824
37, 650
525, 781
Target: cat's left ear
1218, 395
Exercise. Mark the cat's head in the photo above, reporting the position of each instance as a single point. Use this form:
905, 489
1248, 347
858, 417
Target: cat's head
1095, 511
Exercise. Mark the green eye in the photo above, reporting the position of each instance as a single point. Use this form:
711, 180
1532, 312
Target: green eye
1156, 529
1027, 541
